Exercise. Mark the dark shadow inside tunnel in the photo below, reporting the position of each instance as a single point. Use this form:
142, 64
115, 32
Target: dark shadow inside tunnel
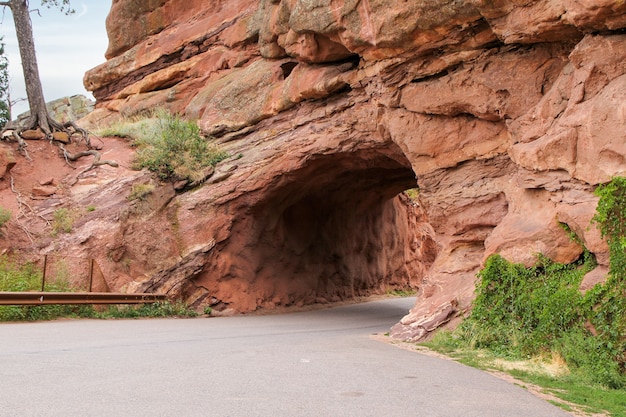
336, 228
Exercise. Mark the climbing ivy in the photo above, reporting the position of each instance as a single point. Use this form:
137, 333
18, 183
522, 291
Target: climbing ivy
609, 300
610, 218
525, 312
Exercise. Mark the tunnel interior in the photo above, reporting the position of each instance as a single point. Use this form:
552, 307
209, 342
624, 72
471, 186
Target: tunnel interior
336, 228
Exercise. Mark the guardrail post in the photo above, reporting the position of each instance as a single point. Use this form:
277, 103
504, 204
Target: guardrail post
90, 273
43, 278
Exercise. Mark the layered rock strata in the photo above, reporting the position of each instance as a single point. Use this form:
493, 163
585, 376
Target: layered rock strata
506, 114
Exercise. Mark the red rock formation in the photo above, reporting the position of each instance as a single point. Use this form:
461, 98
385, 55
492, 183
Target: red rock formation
508, 114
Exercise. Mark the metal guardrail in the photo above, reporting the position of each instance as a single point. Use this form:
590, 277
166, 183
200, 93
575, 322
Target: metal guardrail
89, 296
47, 298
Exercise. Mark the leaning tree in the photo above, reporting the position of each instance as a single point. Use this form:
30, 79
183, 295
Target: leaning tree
39, 116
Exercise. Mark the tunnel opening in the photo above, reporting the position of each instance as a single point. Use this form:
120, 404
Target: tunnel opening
337, 228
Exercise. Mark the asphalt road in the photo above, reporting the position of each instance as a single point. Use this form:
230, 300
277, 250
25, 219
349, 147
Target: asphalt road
319, 363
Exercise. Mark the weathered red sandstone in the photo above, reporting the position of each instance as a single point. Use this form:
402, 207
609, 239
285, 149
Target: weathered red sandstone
506, 114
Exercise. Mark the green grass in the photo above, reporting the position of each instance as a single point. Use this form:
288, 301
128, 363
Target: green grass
27, 277
528, 312
531, 321
5, 216
534, 324
413, 193
555, 379
62, 222
590, 398
398, 292
132, 128
159, 309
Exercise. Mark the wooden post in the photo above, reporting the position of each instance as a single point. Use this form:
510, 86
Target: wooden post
43, 279
90, 273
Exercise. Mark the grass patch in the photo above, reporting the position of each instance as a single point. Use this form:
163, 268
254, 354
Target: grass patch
590, 398
400, 292
140, 191
531, 321
413, 193
132, 128
27, 277
549, 373
159, 309
169, 146
62, 221
5, 216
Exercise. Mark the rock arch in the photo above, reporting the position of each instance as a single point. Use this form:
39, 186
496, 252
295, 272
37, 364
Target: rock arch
329, 226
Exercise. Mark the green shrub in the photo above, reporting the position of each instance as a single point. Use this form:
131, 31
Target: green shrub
62, 221
610, 218
526, 310
176, 150
5, 216
609, 300
14, 277
167, 145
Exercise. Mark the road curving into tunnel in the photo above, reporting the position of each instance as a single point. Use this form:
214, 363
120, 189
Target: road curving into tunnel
315, 363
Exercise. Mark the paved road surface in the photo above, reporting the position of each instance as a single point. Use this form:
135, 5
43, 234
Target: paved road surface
319, 363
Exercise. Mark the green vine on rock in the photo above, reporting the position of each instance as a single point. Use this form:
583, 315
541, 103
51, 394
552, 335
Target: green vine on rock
610, 299
610, 218
522, 312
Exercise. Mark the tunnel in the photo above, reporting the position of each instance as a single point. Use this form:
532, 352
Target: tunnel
335, 228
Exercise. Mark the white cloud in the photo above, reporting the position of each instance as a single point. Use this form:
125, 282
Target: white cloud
82, 13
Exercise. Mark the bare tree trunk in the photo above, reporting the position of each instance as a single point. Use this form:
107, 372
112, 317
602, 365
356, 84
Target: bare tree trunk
39, 116
26, 42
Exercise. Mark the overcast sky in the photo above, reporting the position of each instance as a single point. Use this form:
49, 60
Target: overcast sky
67, 46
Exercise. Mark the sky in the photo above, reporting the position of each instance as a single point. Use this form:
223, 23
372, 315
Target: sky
66, 46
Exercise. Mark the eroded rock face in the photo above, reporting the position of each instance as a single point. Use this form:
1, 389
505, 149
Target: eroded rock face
506, 114
316, 206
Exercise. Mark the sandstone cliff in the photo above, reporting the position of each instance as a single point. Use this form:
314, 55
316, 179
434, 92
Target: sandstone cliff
506, 114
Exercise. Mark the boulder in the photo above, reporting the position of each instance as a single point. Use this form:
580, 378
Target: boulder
66, 109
